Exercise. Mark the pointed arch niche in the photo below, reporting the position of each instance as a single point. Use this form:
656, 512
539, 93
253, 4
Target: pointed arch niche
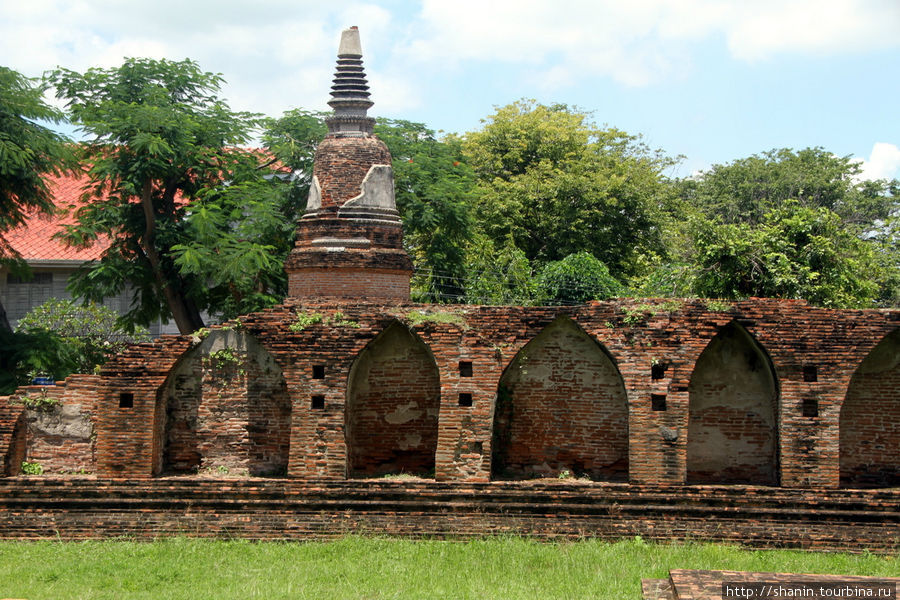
870, 419
224, 409
561, 406
393, 401
733, 413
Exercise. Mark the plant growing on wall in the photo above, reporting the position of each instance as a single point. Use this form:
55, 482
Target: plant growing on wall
32, 468
224, 358
40, 402
304, 320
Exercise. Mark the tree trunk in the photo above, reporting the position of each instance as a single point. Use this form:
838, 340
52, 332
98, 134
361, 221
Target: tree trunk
184, 311
4, 322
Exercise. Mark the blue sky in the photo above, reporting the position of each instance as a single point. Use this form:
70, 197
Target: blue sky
713, 80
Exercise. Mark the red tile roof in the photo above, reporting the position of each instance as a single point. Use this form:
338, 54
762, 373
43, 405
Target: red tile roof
34, 240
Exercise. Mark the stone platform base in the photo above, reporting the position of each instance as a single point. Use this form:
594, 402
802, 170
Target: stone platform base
258, 508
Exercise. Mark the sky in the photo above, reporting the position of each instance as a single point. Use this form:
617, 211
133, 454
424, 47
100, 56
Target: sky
710, 80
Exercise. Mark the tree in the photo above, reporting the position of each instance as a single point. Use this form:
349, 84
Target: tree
292, 139
59, 338
91, 332
744, 190
559, 185
576, 279
161, 140
794, 252
498, 275
790, 224
433, 191
236, 238
28, 152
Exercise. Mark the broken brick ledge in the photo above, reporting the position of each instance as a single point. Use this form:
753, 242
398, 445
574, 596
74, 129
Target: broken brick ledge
277, 509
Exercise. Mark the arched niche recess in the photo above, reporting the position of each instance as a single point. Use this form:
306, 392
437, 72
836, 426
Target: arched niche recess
870, 419
224, 409
733, 413
561, 406
393, 401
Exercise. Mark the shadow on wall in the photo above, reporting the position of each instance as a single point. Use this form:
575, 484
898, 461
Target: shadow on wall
561, 410
870, 419
733, 413
224, 409
393, 401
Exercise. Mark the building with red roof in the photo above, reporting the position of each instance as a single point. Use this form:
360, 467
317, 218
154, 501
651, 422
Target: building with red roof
53, 262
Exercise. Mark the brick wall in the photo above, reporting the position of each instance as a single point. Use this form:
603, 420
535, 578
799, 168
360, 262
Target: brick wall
393, 400
655, 345
870, 419
341, 164
226, 410
56, 426
732, 420
349, 283
561, 407
845, 520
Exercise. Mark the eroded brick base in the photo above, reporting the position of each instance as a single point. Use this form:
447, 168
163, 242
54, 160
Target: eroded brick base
847, 520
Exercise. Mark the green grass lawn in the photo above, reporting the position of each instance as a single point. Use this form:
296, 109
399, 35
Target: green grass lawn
357, 567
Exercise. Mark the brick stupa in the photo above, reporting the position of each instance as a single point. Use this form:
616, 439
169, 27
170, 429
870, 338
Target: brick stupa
350, 240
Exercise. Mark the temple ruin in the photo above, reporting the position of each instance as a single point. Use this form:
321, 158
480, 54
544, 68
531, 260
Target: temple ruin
349, 408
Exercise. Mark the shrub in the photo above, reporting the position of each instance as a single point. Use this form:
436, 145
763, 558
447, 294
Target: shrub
576, 279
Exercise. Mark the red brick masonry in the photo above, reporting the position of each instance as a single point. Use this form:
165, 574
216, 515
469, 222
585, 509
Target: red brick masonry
646, 391
813, 359
33, 508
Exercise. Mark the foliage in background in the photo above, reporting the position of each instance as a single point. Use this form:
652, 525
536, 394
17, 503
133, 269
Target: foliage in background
794, 252
94, 327
59, 338
292, 139
498, 275
160, 138
560, 185
747, 189
791, 225
236, 238
433, 188
27, 354
494, 216
29, 152
576, 279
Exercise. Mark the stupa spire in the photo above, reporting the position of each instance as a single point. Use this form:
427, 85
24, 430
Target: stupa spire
350, 89
350, 240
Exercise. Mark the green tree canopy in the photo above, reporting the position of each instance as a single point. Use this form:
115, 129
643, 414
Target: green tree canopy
433, 187
794, 224
161, 140
560, 185
576, 279
28, 152
59, 338
744, 190
292, 139
795, 252
498, 275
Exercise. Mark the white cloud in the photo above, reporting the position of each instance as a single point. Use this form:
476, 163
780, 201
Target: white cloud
761, 30
643, 41
274, 57
883, 162
281, 55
